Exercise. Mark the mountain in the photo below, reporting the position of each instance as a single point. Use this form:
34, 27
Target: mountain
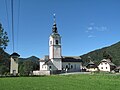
32, 58
97, 55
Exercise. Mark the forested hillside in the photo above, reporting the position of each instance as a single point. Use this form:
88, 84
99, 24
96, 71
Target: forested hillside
97, 55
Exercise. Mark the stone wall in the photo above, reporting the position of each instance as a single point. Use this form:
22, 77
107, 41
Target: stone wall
41, 72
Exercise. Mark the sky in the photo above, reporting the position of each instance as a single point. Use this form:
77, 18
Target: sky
85, 25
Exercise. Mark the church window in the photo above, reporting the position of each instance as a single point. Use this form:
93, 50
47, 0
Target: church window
57, 42
50, 67
101, 67
66, 66
71, 66
106, 67
75, 66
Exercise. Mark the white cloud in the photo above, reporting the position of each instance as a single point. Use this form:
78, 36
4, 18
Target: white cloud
90, 28
91, 36
102, 28
93, 28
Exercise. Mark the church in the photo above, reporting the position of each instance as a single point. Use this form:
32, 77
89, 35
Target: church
55, 63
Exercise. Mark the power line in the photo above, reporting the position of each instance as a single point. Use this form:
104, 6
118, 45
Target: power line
7, 17
12, 24
18, 23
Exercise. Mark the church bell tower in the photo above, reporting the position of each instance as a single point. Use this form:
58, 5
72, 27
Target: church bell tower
55, 47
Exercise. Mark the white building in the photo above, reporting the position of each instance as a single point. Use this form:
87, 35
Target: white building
91, 67
14, 63
106, 65
55, 62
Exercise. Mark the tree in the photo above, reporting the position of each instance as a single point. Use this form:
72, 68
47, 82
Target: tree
3, 38
27, 67
3, 69
4, 57
106, 55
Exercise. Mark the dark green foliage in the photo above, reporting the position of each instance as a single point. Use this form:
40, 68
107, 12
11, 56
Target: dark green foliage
3, 38
27, 65
4, 70
112, 52
4, 57
4, 62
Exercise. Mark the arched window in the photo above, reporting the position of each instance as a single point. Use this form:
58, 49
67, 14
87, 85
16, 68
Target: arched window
67, 66
56, 42
50, 42
50, 67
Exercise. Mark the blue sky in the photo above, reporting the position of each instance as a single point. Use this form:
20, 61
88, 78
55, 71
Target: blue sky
85, 25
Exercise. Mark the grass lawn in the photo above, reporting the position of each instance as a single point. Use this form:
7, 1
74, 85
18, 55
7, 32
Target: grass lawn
68, 82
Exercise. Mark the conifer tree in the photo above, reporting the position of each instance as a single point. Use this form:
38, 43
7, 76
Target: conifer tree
3, 38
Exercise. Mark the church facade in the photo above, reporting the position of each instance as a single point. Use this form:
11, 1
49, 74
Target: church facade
55, 62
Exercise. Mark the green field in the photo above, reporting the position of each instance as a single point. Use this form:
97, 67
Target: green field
68, 82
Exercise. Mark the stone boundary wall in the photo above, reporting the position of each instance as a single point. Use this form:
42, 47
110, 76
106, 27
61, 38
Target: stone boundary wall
41, 72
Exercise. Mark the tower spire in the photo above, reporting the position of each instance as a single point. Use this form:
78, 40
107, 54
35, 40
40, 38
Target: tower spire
54, 28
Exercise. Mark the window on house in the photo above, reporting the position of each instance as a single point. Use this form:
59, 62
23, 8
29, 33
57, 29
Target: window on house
101, 67
106, 67
105, 63
57, 42
50, 67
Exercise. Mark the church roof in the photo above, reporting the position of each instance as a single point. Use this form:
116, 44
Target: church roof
71, 59
15, 54
49, 62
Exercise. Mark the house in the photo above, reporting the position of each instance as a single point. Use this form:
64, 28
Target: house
91, 67
117, 69
106, 65
55, 62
